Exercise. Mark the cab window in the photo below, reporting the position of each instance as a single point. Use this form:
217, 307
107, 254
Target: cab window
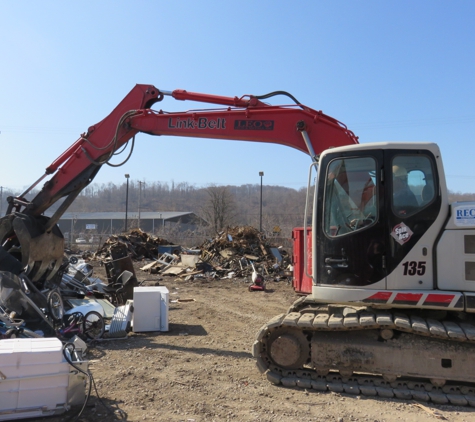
351, 200
412, 184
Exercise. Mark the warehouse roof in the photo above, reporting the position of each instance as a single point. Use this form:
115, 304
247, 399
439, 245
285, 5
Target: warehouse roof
144, 215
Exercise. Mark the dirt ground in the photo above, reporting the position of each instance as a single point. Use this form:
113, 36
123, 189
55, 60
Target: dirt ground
202, 368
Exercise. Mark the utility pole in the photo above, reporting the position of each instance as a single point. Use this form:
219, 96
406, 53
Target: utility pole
140, 196
1, 200
74, 218
127, 176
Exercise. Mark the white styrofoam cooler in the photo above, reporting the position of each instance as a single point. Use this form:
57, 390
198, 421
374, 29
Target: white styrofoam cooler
150, 309
34, 378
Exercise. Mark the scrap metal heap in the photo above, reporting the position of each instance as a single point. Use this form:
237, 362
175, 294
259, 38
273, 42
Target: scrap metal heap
236, 248
237, 252
231, 253
140, 245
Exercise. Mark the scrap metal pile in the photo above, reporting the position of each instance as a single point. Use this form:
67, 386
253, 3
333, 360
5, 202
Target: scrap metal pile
52, 307
235, 249
73, 303
55, 320
235, 252
140, 245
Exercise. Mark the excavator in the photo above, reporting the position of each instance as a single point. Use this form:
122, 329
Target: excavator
391, 312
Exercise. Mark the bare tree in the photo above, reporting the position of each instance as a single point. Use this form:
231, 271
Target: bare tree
220, 208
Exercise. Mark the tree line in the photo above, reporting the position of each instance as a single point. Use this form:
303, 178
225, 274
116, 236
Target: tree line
220, 206
282, 208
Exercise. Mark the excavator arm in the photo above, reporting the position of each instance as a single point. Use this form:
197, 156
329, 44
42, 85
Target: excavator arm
246, 118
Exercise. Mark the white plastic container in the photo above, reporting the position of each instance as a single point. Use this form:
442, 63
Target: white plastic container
150, 309
34, 378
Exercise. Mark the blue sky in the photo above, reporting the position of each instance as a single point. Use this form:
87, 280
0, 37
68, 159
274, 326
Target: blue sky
390, 70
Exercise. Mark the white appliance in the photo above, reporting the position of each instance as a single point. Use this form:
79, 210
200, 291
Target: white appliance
150, 309
121, 321
36, 379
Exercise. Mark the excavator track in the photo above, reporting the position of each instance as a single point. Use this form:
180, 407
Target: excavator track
320, 348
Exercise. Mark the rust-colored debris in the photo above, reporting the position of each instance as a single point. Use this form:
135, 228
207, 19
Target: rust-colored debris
234, 249
231, 253
140, 245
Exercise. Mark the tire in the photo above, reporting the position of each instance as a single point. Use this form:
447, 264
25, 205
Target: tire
93, 326
55, 305
11, 333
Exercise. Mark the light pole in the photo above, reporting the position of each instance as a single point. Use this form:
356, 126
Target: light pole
261, 173
1, 200
74, 218
140, 195
126, 200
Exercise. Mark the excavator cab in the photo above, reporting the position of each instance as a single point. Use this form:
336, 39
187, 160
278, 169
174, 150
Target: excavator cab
381, 223
373, 207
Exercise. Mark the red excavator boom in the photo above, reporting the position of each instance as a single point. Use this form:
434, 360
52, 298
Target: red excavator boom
246, 118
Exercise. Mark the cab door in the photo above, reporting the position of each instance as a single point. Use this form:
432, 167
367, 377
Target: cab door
351, 221
414, 204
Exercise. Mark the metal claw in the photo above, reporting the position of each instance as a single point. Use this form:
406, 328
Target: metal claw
41, 252
45, 250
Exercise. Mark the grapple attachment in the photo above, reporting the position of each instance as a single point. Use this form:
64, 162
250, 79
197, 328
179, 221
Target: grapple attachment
27, 239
